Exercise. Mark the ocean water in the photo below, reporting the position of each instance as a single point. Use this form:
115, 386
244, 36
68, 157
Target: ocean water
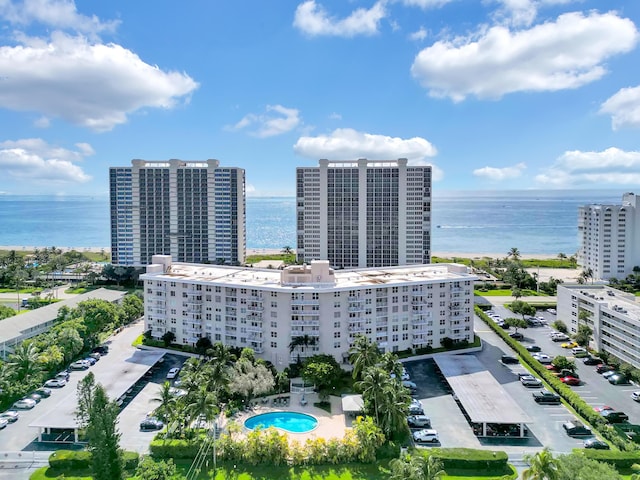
534, 221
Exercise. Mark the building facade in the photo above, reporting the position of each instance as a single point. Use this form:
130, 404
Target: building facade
364, 213
191, 210
610, 238
614, 317
308, 309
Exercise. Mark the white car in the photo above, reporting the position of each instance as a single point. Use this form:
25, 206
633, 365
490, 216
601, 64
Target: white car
543, 358
426, 435
410, 385
10, 416
24, 404
173, 373
55, 383
636, 396
3, 423
552, 311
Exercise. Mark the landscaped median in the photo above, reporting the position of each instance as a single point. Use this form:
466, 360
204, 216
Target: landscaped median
468, 463
582, 408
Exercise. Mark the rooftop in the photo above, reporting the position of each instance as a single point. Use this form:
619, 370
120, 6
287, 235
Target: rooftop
610, 298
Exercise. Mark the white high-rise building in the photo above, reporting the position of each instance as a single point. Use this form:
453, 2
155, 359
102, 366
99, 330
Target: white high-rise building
610, 238
364, 213
399, 308
191, 210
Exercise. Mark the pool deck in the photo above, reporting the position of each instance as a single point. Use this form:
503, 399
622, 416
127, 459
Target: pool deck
331, 425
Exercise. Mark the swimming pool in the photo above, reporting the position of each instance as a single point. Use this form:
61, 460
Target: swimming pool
290, 421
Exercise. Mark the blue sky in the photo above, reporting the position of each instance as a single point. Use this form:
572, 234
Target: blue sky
495, 94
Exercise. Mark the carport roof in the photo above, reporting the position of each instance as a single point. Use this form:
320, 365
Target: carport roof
116, 375
352, 403
483, 398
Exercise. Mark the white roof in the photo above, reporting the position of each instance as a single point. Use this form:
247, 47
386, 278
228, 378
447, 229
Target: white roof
352, 403
483, 398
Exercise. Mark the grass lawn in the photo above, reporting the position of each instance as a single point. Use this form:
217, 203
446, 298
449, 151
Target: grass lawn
504, 293
510, 473
288, 259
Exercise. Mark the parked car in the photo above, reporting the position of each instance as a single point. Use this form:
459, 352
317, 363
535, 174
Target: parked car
595, 444
568, 380
95, 355
552, 311
636, 396
151, 423
517, 336
509, 359
24, 404
543, 358
610, 373
579, 352
90, 360
533, 348
592, 361
79, 365
571, 344
3, 423
613, 416
44, 392
559, 337
602, 408
55, 383
63, 374
546, 398
101, 349
410, 385
618, 379
419, 421
10, 416
415, 407
173, 373
35, 397
427, 435
530, 381
575, 429
604, 368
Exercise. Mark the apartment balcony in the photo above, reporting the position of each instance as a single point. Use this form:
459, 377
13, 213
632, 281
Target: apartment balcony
255, 338
194, 308
356, 329
192, 331
355, 299
306, 313
257, 349
418, 341
300, 333
231, 331
193, 339
305, 302
383, 344
193, 293
251, 328
420, 332
356, 320
255, 298
355, 309
382, 323
305, 323
457, 289
300, 355
255, 308
419, 302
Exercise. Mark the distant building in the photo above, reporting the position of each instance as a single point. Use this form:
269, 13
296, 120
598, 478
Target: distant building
610, 238
398, 308
364, 213
191, 210
614, 317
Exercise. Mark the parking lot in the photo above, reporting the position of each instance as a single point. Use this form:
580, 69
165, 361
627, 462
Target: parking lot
546, 426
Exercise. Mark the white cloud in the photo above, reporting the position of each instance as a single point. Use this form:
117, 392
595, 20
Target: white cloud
348, 144
419, 35
335, 116
499, 174
611, 166
34, 160
624, 107
312, 19
59, 14
425, 3
42, 122
93, 85
269, 125
517, 12
564, 54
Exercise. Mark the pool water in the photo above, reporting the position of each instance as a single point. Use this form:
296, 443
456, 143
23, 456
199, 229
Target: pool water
290, 421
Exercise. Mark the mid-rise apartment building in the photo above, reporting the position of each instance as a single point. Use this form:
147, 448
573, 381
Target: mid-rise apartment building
614, 317
191, 210
364, 213
399, 308
610, 238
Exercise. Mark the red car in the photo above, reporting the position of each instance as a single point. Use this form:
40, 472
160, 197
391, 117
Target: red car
570, 381
602, 408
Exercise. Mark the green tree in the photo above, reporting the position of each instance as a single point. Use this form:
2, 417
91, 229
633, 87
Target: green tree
168, 338
363, 354
150, 469
287, 250
166, 400
522, 308
6, 312
514, 254
560, 326
25, 361
394, 409
583, 335
70, 341
373, 383
131, 309
323, 371
542, 466
301, 343
389, 362
203, 345
370, 439
563, 363
516, 323
98, 314
202, 404
85, 393
103, 437
250, 380
576, 466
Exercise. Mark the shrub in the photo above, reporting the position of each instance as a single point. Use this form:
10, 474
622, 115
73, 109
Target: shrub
175, 449
70, 459
130, 460
620, 460
388, 450
470, 459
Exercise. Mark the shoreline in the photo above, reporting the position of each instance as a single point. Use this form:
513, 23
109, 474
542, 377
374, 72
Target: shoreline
277, 251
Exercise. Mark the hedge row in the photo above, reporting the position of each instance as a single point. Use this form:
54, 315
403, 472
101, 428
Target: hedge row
620, 460
81, 460
572, 398
470, 459
176, 449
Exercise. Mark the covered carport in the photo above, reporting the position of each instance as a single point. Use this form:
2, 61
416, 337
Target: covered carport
116, 375
483, 399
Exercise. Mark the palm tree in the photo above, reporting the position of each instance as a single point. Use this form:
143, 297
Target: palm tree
389, 362
203, 404
287, 250
25, 360
167, 401
416, 467
372, 386
363, 354
514, 254
394, 408
542, 466
303, 341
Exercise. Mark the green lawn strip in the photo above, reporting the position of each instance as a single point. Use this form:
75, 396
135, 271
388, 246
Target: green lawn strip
289, 259
138, 341
461, 474
504, 293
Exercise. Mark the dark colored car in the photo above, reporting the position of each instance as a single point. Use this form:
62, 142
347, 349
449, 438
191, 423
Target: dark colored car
604, 368
102, 349
613, 416
517, 336
151, 423
595, 444
575, 429
44, 392
534, 348
592, 361
618, 379
508, 359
